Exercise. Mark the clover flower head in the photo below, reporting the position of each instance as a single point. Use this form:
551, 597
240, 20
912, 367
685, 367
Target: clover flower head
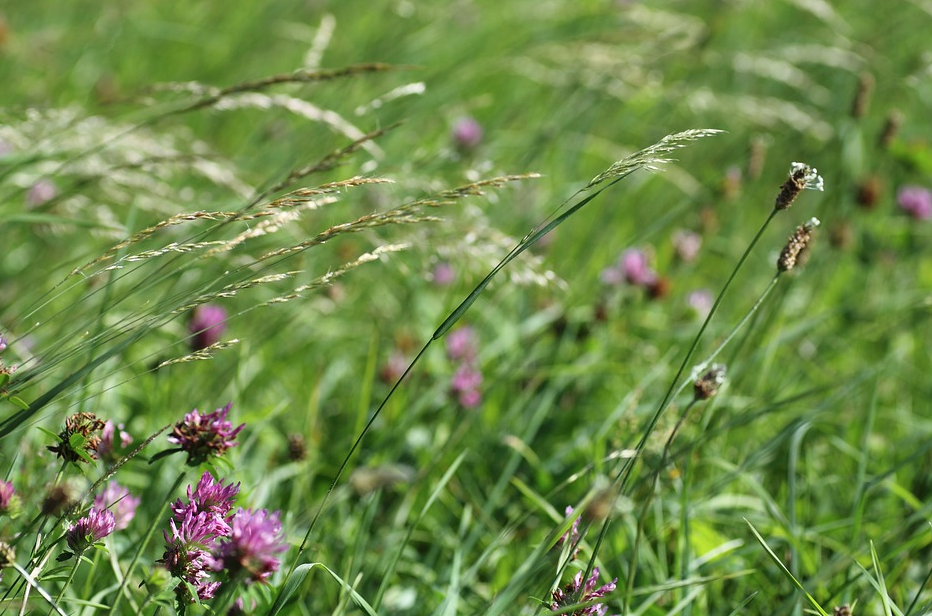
118, 501
466, 384
467, 132
576, 592
205, 436
915, 201
250, 551
687, 244
207, 324
189, 551
461, 344
572, 534
107, 447
209, 496
97, 524
8, 498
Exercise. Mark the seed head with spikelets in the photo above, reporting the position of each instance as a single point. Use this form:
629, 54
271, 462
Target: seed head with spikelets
795, 249
802, 176
707, 385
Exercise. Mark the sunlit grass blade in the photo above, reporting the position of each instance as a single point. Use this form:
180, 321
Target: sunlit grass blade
786, 572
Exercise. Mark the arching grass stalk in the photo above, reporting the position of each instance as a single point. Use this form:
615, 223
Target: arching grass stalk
801, 176
649, 158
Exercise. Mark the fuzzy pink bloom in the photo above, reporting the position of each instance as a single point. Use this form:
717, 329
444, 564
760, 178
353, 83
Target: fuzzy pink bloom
250, 551
6, 496
120, 502
915, 201
205, 436
466, 384
635, 266
107, 449
97, 524
576, 592
687, 245
461, 344
467, 133
443, 274
701, 301
41, 192
208, 322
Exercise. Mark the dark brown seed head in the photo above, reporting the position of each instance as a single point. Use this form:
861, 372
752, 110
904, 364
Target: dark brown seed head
801, 176
863, 97
709, 383
844, 610
795, 249
891, 128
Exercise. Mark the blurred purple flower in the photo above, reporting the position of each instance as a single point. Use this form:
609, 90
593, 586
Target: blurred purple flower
118, 501
41, 192
7, 493
205, 436
392, 370
915, 201
687, 245
250, 551
467, 132
461, 344
208, 322
701, 300
443, 274
635, 265
106, 448
466, 384
2, 344
612, 276
575, 592
572, 534
97, 524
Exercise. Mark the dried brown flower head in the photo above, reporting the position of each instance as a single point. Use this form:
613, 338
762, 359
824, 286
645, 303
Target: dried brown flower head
844, 610
78, 441
709, 383
794, 253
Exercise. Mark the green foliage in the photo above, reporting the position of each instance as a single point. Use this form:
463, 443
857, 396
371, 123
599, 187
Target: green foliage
298, 165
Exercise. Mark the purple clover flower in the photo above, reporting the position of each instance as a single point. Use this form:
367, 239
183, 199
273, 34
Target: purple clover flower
466, 384
701, 301
635, 265
210, 496
687, 245
97, 524
461, 344
250, 550
118, 501
7, 496
2, 344
467, 133
572, 534
207, 324
41, 192
915, 201
443, 274
106, 448
205, 436
575, 592
196, 527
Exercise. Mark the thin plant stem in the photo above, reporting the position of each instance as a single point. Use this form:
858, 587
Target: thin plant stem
624, 474
74, 569
145, 541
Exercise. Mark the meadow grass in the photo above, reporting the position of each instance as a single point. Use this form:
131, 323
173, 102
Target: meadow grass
430, 258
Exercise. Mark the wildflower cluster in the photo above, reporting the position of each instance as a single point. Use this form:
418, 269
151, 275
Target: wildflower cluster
205, 436
196, 527
206, 538
467, 380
